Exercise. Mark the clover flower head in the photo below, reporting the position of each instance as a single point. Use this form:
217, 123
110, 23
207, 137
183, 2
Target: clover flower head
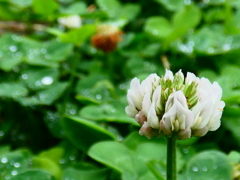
175, 105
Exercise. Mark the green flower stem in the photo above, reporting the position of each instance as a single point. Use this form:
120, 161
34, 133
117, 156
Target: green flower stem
171, 158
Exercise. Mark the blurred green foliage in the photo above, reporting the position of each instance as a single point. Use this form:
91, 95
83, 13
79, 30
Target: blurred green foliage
62, 100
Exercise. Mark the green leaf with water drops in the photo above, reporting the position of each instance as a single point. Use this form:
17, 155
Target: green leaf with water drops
158, 27
136, 66
95, 88
83, 133
209, 165
46, 96
10, 52
33, 174
113, 112
48, 54
39, 78
12, 163
78, 174
212, 40
111, 7
13, 90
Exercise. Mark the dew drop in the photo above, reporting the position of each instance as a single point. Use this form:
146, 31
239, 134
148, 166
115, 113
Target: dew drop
1, 133
99, 96
14, 172
155, 32
187, 2
215, 167
24, 76
195, 169
13, 48
185, 151
226, 47
72, 158
38, 83
16, 165
47, 56
62, 161
204, 169
210, 50
72, 111
4, 160
43, 50
47, 80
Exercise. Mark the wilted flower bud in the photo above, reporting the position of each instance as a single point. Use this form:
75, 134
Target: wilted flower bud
73, 21
176, 105
106, 38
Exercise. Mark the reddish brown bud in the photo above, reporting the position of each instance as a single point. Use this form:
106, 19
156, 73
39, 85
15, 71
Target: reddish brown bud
106, 38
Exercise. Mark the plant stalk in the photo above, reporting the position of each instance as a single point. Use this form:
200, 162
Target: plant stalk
171, 158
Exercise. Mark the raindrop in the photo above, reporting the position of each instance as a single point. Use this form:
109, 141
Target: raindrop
1, 54
155, 32
195, 169
99, 96
47, 56
122, 86
4, 160
215, 167
62, 161
72, 111
38, 83
43, 50
16, 165
1, 133
226, 47
47, 80
185, 151
113, 110
187, 2
72, 158
24, 76
42, 97
14, 172
204, 169
7, 177
210, 50
13, 48
119, 138
93, 50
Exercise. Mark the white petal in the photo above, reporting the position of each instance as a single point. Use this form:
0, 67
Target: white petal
168, 75
146, 103
131, 111
152, 118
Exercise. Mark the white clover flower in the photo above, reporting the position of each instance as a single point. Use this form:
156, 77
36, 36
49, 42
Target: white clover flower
72, 21
174, 105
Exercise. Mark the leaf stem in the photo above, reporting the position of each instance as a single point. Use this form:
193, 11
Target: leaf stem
171, 158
